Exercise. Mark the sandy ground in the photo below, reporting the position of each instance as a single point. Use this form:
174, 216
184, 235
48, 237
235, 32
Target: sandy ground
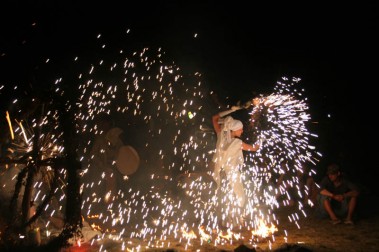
312, 234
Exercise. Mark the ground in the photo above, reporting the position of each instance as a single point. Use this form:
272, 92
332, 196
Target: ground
314, 234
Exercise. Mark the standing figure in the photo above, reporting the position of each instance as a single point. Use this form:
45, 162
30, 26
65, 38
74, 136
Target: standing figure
103, 157
228, 158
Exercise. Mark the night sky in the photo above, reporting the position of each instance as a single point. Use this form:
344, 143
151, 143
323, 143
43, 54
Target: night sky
241, 49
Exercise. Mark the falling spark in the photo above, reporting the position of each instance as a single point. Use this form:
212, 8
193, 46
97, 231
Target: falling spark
10, 125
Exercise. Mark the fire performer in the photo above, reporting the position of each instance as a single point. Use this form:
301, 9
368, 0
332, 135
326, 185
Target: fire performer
228, 158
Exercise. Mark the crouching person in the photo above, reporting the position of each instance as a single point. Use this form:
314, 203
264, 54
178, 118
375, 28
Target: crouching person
338, 196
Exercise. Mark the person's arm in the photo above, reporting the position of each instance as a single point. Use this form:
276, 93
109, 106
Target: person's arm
337, 197
323, 185
216, 124
249, 147
341, 197
326, 193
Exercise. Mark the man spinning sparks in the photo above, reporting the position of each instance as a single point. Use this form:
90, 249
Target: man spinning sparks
228, 157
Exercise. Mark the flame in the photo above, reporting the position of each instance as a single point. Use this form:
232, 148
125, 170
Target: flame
204, 236
189, 235
264, 230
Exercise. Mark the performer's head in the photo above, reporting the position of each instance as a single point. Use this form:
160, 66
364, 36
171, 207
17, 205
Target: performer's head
236, 127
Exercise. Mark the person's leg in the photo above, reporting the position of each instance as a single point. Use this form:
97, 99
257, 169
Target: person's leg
312, 191
321, 212
220, 199
351, 208
325, 203
238, 189
217, 176
234, 198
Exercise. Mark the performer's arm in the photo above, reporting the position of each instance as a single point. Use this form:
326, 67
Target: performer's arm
249, 147
216, 124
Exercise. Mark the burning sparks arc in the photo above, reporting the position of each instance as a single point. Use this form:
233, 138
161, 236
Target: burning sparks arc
167, 111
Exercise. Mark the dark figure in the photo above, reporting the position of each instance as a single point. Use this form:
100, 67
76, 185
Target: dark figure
338, 196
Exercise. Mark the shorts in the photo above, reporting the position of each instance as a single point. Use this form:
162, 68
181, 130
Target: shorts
339, 208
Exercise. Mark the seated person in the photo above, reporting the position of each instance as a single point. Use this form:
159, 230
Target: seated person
338, 196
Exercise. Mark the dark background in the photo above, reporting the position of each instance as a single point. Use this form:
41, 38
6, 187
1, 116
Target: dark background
241, 48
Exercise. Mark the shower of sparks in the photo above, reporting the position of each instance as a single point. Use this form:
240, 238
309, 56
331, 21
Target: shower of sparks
176, 197
282, 121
